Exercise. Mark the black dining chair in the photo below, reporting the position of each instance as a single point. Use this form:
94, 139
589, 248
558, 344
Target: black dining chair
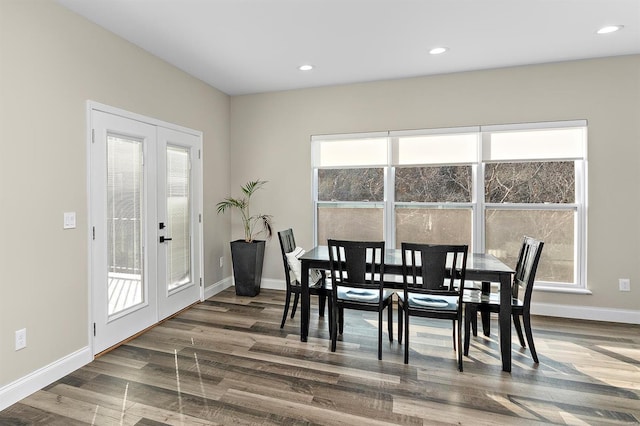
321, 288
521, 291
433, 285
357, 277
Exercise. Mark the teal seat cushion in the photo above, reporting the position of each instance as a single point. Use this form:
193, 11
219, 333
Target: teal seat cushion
361, 295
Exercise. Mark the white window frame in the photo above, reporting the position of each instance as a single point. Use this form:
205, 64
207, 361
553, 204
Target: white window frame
478, 204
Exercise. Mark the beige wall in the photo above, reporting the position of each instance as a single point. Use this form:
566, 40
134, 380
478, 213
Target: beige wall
51, 62
270, 136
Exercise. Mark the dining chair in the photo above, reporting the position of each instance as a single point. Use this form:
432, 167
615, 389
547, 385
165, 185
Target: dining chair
290, 255
357, 277
433, 285
521, 291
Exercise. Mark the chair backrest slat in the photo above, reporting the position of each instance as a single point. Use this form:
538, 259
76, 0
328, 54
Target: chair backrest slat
358, 264
434, 268
287, 245
526, 268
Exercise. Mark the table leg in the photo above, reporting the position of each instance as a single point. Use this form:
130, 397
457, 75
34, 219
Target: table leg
486, 315
305, 302
505, 321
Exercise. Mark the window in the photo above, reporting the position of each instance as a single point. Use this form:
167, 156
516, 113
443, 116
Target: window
534, 185
482, 186
350, 187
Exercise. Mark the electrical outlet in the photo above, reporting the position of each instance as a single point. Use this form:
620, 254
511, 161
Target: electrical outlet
21, 339
625, 284
221, 261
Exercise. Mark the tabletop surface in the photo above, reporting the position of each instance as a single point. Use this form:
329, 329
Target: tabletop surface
393, 257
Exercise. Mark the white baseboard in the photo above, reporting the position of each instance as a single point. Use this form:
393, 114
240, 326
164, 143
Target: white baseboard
266, 283
216, 288
272, 284
626, 316
25, 386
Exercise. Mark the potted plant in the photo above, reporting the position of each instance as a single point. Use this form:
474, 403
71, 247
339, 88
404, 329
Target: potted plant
247, 255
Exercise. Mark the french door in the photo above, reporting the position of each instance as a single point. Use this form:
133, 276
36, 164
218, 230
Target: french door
145, 184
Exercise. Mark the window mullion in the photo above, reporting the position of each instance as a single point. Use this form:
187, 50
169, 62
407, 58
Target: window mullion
314, 204
479, 241
389, 193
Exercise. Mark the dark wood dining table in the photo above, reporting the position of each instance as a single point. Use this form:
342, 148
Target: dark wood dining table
480, 267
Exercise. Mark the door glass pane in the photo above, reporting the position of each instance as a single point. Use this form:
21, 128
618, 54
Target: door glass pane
124, 223
506, 228
178, 217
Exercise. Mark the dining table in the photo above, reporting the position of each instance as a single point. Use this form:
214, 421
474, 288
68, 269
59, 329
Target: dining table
482, 267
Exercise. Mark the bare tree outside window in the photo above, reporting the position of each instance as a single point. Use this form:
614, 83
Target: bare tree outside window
434, 184
354, 210
532, 182
358, 184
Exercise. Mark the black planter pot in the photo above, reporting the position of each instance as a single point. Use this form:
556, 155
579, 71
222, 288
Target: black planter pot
247, 259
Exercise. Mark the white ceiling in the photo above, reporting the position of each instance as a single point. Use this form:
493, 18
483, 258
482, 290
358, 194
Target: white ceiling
254, 46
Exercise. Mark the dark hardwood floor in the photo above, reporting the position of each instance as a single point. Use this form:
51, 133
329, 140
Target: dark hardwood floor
226, 361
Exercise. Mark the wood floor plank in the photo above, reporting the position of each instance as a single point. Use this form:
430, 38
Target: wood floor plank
227, 361
82, 411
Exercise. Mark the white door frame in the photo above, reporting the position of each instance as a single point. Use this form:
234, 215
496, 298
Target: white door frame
197, 196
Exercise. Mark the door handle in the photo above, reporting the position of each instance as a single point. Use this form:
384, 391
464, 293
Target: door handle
163, 239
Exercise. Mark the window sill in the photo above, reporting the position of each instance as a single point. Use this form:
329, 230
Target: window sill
563, 290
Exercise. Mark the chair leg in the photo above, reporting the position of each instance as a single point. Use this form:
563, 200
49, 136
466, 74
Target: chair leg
390, 321
469, 315
322, 301
340, 320
406, 335
287, 300
334, 326
453, 327
486, 323
380, 335
295, 304
526, 317
400, 321
460, 367
330, 317
474, 324
516, 322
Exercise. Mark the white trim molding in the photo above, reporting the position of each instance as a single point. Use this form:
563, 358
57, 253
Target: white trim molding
271, 284
33, 382
266, 283
216, 288
627, 316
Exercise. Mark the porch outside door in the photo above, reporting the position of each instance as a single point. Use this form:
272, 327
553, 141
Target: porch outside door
146, 232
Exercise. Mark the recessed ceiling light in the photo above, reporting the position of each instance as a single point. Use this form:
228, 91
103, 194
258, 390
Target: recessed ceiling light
610, 29
438, 50
306, 67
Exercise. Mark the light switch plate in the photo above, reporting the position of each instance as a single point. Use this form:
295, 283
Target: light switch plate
21, 339
69, 220
625, 284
